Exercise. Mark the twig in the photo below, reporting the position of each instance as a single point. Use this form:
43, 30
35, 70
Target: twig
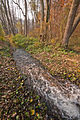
19, 7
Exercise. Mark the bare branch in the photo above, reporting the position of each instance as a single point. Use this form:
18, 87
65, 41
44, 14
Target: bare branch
19, 7
76, 22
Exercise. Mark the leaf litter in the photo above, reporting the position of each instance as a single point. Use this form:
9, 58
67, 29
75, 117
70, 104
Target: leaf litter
17, 102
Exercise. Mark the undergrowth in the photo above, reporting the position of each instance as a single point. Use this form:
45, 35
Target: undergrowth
64, 63
31, 44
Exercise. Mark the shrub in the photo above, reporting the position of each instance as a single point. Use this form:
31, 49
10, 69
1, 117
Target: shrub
31, 44
19, 40
22, 41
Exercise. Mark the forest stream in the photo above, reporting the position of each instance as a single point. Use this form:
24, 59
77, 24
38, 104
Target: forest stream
62, 98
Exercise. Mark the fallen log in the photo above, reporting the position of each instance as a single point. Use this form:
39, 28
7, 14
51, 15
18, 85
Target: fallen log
62, 98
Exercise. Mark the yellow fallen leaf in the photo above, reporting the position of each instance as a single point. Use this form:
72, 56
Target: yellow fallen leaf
78, 70
22, 81
32, 112
37, 114
69, 75
19, 77
31, 100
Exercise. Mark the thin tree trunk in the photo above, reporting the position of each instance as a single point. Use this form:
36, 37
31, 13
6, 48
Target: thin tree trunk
70, 22
12, 26
48, 10
42, 10
76, 22
25, 17
9, 24
4, 22
42, 20
48, 5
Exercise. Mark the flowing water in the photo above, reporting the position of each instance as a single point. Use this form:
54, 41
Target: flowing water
63, 99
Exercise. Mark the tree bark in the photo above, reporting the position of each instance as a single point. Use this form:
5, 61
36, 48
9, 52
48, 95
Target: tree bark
4, 21
48, 10
69, 27
11, 21
42, 20
76, 22
25, 17
42, 10
9, 24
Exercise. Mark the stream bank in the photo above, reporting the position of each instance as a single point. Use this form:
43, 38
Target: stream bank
17, 101
62, 98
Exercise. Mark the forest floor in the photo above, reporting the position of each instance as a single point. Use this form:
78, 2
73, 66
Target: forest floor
17, 102
60, 62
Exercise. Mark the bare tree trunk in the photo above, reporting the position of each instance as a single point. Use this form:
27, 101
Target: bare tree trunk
11, 21
5, 8
25, 17
21, 29
42, 10
48, 10
48, 5
4, 21
76, 22
70, 27
13, 11
42, 20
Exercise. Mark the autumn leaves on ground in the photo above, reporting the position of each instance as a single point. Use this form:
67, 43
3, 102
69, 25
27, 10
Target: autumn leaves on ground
50, 31
17, 102
63, 63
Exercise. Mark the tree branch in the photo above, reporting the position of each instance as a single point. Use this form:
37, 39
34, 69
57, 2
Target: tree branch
19, 7
76, 22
